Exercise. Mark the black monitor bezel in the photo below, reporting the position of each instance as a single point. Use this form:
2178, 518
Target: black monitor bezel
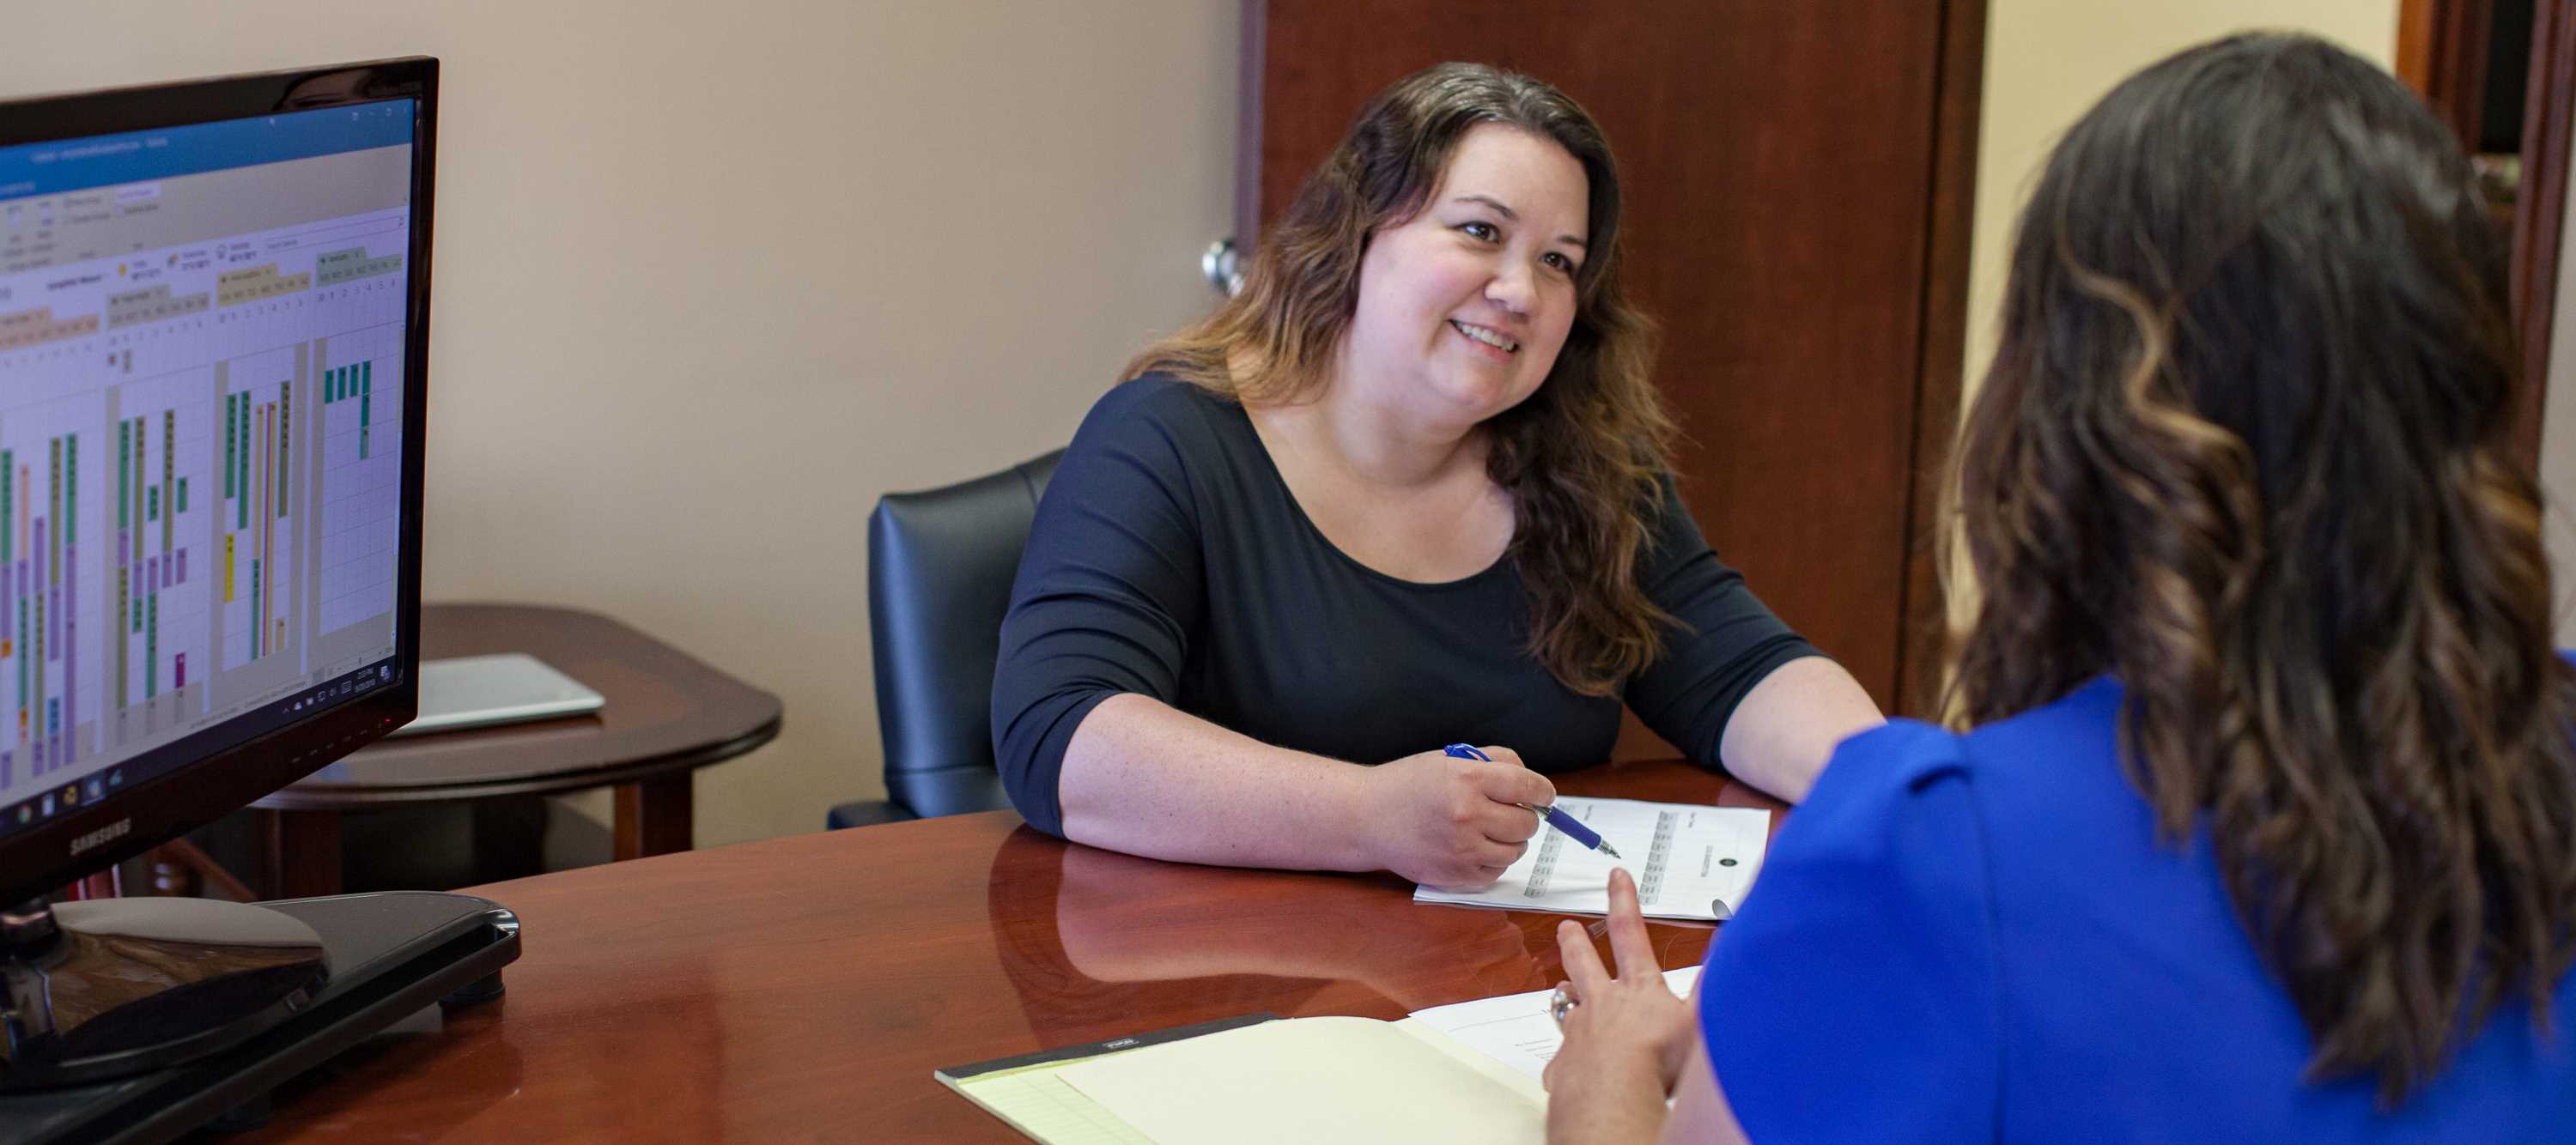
44, 856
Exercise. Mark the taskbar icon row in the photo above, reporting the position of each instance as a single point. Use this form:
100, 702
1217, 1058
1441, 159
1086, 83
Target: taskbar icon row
331, 692
63, 800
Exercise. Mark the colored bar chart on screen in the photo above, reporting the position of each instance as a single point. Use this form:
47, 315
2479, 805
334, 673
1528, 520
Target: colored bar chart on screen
157, 614
354, 385
361, 459
44, 463
264, 588
201, 450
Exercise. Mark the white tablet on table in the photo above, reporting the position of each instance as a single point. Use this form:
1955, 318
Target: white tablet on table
477, 691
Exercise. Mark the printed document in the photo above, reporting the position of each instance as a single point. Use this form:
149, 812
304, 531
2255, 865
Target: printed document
1690, 861
1515, 1029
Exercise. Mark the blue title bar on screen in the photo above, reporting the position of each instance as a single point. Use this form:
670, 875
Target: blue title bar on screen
57, 166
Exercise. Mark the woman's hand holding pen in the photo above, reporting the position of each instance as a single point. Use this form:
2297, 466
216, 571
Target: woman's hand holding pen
1455, 824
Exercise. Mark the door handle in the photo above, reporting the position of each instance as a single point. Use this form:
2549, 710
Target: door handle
1222, 265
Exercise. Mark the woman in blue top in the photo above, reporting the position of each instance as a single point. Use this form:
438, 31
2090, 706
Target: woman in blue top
2266, 829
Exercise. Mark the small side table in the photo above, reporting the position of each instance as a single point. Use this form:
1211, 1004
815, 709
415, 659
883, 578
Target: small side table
667, 715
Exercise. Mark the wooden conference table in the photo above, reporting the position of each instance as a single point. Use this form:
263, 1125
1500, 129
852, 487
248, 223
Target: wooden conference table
804, 988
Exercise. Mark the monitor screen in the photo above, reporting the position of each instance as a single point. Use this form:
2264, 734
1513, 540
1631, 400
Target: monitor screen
213, 320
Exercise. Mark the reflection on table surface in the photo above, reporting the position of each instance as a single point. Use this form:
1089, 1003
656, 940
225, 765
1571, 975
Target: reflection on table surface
806, 987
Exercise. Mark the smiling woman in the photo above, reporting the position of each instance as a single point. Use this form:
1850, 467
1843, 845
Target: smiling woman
1408, 488
1463, 307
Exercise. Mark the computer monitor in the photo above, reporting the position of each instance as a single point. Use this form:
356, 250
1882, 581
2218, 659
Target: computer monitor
214, 319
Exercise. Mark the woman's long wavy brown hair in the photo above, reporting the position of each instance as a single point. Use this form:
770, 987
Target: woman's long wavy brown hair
2244, 448
1580, 458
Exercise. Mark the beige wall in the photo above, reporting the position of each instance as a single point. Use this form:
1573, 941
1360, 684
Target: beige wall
711, 277
2558, 442
2048, 61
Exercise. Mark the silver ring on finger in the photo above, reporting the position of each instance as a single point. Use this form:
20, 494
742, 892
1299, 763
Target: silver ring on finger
1558, 1003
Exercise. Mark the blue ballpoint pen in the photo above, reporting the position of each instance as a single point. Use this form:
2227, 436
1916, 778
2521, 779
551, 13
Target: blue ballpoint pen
1573, 827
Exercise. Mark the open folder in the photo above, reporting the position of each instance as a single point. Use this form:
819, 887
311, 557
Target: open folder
1464, 1071
1467, 1072
1284, 1080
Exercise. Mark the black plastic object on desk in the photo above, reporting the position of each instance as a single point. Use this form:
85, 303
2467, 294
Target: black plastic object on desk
391, 955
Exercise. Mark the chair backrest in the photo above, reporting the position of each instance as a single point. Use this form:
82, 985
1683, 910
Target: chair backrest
940, 565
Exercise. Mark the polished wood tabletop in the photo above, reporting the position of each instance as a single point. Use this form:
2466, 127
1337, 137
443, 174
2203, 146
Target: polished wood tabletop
804, 988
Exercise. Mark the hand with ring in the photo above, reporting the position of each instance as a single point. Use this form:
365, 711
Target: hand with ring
1615, 1024
1558, 1003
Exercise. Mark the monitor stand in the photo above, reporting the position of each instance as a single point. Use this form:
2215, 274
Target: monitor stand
111, 988
270, 1013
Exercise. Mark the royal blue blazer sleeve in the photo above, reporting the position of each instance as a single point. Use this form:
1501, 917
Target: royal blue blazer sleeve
1857, 996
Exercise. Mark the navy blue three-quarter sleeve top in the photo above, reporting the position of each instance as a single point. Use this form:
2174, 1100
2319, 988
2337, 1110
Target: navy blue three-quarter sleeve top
1170, 559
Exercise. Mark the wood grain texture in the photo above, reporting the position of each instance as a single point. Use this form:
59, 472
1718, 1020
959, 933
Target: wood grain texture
1778, 164
2442, 48
2540, 209
299, 852
2416, 21
1950, 222
655, 816
804, 988
2442, 54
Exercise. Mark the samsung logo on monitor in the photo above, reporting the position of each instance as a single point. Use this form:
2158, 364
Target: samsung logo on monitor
109, 833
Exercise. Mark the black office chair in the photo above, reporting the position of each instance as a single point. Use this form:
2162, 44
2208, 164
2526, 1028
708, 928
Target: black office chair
940, 564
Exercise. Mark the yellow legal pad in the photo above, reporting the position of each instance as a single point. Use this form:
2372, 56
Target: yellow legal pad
1262, 1079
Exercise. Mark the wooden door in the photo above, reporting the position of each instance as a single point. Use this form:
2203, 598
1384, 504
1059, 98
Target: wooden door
2447, 50
1799, 181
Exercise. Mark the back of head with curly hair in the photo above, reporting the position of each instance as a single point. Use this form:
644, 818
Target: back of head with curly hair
2244, 447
